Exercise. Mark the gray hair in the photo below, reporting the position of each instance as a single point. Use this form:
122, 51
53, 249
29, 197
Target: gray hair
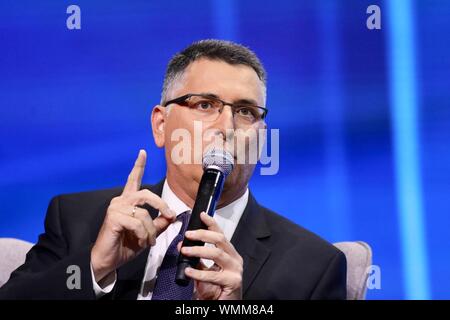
227, 51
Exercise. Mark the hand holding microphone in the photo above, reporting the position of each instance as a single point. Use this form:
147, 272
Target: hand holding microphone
224, 279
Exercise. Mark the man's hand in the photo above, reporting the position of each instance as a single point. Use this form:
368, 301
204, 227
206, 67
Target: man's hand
223, 281
128, 229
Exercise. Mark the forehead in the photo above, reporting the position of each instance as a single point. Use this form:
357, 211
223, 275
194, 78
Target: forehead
229, 82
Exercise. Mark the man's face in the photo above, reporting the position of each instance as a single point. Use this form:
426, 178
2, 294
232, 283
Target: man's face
230, 83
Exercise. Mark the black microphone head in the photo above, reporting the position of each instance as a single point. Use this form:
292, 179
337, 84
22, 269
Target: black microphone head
219, 159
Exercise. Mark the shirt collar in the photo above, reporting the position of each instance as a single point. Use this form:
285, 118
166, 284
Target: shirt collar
232, 212
173, 201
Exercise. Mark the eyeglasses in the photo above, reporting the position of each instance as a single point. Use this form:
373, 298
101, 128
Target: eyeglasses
209, 108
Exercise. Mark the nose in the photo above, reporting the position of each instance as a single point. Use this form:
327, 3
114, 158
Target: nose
225, 123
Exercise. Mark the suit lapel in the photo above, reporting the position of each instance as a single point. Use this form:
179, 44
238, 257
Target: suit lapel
247, 240
130, 275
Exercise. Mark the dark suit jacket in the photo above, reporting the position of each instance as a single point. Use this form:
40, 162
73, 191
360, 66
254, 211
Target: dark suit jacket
281, 259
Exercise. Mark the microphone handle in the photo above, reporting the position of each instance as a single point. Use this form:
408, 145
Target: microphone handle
208, 194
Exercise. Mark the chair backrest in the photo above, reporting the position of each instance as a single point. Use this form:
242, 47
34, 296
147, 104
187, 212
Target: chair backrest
12, 256
359, 259
357, 253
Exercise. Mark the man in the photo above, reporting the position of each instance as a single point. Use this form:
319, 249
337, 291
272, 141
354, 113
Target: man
122, 241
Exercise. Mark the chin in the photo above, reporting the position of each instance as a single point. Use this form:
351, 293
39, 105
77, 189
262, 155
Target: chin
234, 180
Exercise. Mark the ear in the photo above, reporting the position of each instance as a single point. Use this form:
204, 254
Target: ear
158, 120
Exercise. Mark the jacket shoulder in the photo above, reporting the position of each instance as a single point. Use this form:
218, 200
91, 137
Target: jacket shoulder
293, 234
78, 216
101, 195
89, 197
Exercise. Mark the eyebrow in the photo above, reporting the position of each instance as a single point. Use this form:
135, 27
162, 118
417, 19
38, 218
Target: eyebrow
239, 101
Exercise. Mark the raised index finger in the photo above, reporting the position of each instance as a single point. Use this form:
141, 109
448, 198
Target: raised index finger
135, 176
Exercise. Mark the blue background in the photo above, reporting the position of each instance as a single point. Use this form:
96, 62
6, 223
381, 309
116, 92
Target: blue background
363, 115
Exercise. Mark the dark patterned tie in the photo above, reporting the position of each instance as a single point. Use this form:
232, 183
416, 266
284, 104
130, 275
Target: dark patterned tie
165, 286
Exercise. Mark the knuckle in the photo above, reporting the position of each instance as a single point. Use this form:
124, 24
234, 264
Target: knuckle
136, 225
237, 279
152, 198
240, 270
220, 254
215, 254
222, 238
113, 223
216, 277
115, 201
111, 216
141, 227
139, 214
147, 193
164, 206
237, 256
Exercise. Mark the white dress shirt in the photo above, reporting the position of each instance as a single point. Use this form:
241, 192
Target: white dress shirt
227, 218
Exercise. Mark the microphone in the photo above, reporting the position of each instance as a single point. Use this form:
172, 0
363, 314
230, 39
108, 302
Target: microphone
217, 165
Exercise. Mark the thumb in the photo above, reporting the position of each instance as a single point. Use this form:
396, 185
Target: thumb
161, 223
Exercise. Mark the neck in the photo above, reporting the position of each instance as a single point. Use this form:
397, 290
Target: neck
186, 191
